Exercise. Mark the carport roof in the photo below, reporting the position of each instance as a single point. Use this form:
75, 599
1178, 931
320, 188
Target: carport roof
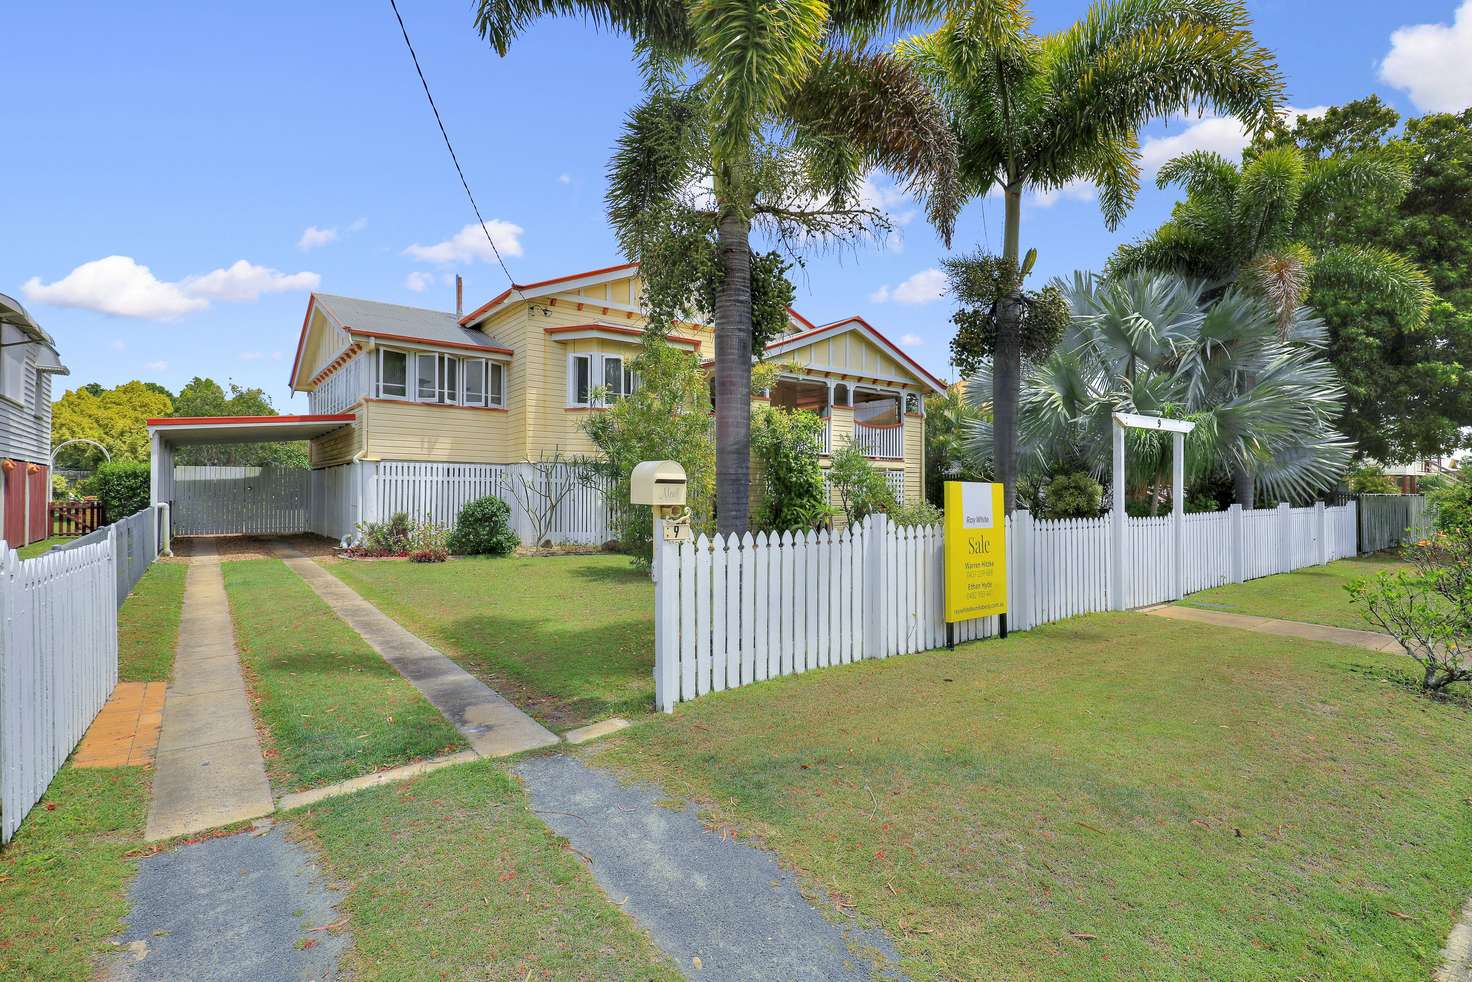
180, 431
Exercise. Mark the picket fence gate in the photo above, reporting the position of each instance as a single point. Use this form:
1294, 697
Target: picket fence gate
732, 611
137, 540
222, 500
1386, 518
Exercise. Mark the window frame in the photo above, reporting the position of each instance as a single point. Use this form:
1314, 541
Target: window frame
13, 353
500, 387
572, 381
380, 386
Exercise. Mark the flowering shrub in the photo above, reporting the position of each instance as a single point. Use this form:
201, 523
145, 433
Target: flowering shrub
400, 536
1427, 608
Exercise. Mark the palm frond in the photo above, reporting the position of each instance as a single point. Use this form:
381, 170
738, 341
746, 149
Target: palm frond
1391, 278
1265, 211
660, 24
1201, 173
1330, 183
659, 155
880, 104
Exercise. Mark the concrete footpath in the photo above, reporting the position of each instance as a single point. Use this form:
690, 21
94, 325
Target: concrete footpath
493, 726
208, 770
1272, 625
723, 909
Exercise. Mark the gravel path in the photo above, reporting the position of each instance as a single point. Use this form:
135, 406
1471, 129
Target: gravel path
698, 894
237, 908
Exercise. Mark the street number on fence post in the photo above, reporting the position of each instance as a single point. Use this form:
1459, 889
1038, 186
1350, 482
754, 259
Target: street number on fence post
975, 551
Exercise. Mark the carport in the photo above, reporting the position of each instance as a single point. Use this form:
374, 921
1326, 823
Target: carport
246, 500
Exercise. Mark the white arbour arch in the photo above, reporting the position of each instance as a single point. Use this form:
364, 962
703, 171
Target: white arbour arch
81, 439
1119, 520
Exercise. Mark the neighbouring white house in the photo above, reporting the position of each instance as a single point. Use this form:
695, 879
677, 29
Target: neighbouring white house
28, 359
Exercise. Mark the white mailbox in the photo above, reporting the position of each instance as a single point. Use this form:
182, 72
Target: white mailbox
660, 483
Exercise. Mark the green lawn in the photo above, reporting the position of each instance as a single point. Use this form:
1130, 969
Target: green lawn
63, 879
333, 708
452, 876
36, 548
1114, 796
1315, 594
568, 638
148, 624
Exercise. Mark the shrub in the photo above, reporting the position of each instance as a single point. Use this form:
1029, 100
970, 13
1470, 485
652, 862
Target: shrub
1075, 495
1451, 501
1428, 609
427, 542
1370, 479
484, 529
123, 487
785, 446
920, 513
860, 486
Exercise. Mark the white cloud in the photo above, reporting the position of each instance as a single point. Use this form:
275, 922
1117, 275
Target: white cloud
156, 366
115, 285
564, 178
246, 281
1079, 190
419, 282
119, 345
1215, 134
924, 287
911, 340
314, 237
276, 356
121, 286
1431, 62
252, 355
469, 244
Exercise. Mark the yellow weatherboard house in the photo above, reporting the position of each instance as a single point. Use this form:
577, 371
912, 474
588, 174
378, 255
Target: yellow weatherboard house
511, 381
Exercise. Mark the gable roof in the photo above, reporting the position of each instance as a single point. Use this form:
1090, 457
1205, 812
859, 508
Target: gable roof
859, 325
391, 320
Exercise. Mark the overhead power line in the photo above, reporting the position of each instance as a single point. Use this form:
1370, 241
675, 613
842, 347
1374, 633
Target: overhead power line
451, 147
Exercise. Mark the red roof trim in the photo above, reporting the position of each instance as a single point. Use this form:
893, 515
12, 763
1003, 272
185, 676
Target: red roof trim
471, 317
431, 342
870, 327
616, 329
800, 317
226, 420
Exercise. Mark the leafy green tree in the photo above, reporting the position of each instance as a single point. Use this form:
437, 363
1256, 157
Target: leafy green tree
785, 445
1370, 479
1409, 386
1039, 112
123, 487
948, 416
667, 417
117, 418
859, 486
205, 397
1264, 400
1072, 495
1451, 502
758, 116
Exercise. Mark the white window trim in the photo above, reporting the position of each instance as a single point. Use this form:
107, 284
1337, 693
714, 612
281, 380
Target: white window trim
500, 401
408, 395
13, 350
572, 380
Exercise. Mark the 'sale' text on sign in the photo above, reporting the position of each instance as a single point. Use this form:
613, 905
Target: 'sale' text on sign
975, 551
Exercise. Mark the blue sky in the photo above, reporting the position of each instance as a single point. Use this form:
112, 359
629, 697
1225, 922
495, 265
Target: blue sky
167, 161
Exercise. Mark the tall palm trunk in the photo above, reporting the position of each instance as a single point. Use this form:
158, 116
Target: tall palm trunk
1007, 360
1243, 487
733, 373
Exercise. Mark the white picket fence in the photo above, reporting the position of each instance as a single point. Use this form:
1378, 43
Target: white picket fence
136, 540
729, 612
440, 491
219, 500
1386, 518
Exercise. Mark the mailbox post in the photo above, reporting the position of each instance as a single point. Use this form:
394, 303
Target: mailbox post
661, 485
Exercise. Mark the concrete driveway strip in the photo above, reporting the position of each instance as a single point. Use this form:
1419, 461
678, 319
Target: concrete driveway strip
698, 894
248, 907
493, 726
208, 771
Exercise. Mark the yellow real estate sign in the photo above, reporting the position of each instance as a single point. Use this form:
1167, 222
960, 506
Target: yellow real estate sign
975, 551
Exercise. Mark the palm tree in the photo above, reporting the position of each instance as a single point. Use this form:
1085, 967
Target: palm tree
1038, 112
1248, 227
1263, 397
765, 115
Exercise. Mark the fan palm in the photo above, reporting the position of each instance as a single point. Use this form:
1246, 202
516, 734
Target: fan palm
759, 114
1042, 111
1263, 398
1248, 226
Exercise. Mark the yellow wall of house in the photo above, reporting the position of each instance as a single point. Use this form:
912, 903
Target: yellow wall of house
411, 431
339, 446
914, 459
848, 353
325, 340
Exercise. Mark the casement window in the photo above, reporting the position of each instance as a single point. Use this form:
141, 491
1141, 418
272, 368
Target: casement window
393, 374
13, 369
496, 388
618, 379
580, 380
484, 382
426, 377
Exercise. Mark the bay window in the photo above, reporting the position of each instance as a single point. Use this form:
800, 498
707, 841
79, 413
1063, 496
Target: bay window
586, 374
580, 380
437, 378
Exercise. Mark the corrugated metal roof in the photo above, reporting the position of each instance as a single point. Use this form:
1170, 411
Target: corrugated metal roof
411, 322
